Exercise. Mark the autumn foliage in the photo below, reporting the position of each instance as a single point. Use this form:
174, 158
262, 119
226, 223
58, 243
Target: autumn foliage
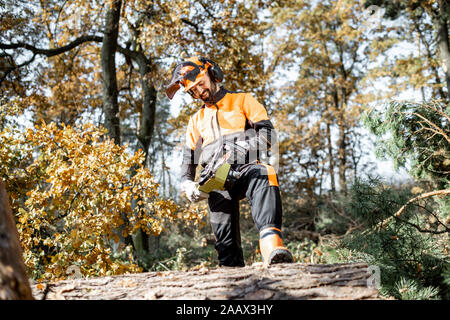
76, 193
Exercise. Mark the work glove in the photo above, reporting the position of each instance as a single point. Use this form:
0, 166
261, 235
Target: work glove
190, 188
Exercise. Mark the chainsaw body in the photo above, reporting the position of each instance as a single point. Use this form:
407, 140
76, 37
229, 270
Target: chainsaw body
217, 180
218, 174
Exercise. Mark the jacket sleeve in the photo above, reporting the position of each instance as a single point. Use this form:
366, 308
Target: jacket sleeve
191, 151
263, 135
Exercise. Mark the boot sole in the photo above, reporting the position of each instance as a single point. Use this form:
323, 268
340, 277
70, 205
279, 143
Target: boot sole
280, 256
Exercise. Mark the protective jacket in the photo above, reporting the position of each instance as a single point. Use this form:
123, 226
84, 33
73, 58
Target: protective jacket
234, 116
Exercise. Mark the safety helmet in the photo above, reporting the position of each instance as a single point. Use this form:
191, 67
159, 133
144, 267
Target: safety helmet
189, 72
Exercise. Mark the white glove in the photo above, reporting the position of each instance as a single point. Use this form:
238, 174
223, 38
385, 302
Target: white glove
190, 188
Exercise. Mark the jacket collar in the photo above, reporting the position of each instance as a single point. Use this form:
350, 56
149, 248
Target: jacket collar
217, 96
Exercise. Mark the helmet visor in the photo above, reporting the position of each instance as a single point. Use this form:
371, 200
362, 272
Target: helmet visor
187, 74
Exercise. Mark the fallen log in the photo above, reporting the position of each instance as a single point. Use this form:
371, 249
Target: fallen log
14, 284
293, 281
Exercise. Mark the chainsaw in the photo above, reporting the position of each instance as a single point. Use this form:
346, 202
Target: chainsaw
218, 174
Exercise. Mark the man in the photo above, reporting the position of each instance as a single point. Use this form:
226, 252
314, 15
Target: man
230, 118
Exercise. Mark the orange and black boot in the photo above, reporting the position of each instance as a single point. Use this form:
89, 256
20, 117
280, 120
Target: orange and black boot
272, 249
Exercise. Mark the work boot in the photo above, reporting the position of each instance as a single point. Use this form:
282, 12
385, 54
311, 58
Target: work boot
272, 249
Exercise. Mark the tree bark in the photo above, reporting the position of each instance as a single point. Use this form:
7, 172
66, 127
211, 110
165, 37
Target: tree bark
14, 283
108, 54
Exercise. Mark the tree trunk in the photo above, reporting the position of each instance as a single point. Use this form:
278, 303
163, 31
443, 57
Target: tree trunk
108, 54
13, 278
147, 119
330, 158
430, 56
441, 24
145, 68
110, 91
342, 155
145, 134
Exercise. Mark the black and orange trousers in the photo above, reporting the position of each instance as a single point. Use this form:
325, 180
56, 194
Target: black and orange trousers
259, 184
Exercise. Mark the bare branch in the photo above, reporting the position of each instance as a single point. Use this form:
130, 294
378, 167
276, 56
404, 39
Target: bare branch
14, 67
420, 197
437, 129
51, 52
438, 109
195, 26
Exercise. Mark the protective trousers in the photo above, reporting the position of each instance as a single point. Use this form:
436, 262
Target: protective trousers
259, 184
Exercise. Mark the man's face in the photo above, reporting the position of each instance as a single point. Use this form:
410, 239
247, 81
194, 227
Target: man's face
204, 89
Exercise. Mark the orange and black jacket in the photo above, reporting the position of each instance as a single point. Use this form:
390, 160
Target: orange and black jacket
229, 118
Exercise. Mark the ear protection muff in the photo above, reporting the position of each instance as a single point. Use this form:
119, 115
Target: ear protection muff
214, 71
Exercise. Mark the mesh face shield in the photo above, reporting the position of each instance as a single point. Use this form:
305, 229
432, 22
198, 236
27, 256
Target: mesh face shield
187, 74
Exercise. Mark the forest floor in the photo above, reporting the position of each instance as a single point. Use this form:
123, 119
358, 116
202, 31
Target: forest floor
295, 281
